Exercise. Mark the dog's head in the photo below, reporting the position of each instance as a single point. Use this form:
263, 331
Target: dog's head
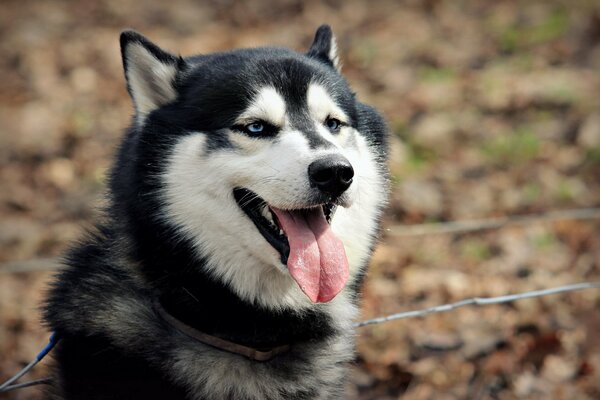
262, 158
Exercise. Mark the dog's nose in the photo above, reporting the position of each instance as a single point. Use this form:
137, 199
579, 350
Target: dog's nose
332, 174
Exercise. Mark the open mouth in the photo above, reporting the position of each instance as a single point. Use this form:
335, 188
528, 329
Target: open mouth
266, 220
315, 257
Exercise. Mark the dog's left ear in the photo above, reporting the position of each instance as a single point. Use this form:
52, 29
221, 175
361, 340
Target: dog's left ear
151, 73
324, 47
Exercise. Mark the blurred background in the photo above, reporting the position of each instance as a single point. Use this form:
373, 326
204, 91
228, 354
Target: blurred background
494, 110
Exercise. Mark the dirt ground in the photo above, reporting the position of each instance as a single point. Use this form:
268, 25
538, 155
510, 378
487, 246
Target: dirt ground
494, 109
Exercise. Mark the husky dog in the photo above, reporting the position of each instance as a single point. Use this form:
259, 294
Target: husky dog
244, 206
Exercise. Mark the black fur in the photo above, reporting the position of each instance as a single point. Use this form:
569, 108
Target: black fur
138, 257
322, 45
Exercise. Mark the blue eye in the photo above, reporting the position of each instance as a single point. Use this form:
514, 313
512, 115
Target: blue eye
333, 124
255, 127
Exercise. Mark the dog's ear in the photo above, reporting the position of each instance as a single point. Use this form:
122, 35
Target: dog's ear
324, 47
150, 72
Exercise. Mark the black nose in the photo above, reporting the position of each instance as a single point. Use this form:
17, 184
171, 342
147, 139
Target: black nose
331, 174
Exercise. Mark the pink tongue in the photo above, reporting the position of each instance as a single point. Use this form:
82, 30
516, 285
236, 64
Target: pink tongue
317, 259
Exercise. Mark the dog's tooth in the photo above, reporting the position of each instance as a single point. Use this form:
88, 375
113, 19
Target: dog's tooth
264, 211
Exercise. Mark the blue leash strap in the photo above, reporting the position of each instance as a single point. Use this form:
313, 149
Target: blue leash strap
51, 343
8, 385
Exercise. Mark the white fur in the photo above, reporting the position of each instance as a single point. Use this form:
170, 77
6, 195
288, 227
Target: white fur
321, 105
150, 80
333, 54
268, 105
209, 373
357, 225
198, 199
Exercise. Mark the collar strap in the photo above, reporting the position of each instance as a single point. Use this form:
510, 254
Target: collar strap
218, 343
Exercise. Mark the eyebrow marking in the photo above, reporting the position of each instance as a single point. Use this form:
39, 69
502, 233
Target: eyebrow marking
267, 105
321, 105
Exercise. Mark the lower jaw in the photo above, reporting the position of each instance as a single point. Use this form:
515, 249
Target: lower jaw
252, 203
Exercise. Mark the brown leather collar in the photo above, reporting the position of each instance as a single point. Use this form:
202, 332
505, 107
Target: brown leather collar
216, 342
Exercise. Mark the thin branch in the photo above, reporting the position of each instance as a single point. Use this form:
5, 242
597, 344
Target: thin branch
50, 264
34, 265
479, 301
43, 381
18, 375
491, 223
11, 385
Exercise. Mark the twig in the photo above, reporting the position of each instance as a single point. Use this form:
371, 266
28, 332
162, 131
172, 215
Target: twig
491, 223
43, 381
11, 385
50, 264
4, 387
34, 265
479, 301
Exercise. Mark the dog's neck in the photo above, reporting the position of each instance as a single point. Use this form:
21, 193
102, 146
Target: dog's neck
187, 291
210, 307
207, 305
262, 354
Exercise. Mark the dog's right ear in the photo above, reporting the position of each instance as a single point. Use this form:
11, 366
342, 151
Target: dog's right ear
151, 73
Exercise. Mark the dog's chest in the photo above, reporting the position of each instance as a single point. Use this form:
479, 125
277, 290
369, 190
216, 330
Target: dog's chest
307, 371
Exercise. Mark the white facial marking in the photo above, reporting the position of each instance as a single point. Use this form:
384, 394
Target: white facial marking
268, 105
357, 224
199, 200
150, 80
321, 105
